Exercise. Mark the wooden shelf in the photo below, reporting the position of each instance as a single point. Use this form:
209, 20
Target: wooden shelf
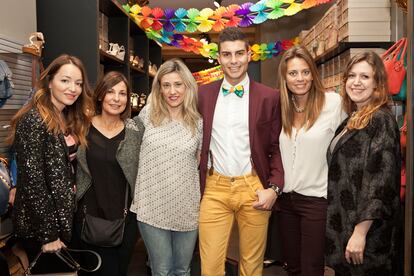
343, 46
136, 69
109, 59
119, 27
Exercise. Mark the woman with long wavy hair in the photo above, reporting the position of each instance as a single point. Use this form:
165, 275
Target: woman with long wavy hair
167, 191
363, 218
310, 117
44, 136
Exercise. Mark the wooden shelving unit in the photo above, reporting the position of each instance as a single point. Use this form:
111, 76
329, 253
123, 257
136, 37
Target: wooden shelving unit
72, 27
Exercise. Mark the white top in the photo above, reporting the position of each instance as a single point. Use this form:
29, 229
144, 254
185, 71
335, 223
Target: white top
167, 191
230, 142
304, 153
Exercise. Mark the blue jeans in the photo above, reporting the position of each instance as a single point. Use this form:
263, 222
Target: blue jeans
170, 252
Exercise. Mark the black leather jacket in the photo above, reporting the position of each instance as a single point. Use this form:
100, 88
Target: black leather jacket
44, 205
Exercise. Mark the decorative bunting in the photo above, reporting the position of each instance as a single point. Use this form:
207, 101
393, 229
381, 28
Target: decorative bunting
208, 75
163, 25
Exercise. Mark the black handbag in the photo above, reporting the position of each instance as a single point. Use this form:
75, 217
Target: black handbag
102, 232
65, 256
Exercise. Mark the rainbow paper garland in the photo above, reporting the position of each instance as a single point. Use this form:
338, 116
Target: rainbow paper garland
208, 75
162, 25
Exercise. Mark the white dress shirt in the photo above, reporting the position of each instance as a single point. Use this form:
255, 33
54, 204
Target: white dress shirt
230, 142
304, 153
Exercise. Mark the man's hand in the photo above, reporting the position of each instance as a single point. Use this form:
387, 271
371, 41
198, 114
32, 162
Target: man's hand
266, 199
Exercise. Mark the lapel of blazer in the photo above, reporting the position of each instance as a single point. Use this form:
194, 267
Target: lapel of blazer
63, 144
254, 100
81, 160
340, 143
211, 101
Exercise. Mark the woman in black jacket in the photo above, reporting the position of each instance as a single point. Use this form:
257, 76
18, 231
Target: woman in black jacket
364, 176
45, 134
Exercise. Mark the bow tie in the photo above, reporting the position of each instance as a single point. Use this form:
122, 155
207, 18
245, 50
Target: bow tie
238, 90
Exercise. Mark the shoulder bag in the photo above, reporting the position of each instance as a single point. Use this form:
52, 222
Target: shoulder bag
102, 232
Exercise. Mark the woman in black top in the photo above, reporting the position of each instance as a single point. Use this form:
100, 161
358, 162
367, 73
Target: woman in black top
107, 169
56, 117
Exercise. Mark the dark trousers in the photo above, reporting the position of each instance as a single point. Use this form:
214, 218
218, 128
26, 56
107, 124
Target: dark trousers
115, 260
302, 221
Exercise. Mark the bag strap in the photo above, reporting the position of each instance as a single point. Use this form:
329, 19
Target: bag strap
402, 56
65, 256
394, 48
126, 200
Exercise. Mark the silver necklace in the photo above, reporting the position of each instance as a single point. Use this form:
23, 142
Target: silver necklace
295, 105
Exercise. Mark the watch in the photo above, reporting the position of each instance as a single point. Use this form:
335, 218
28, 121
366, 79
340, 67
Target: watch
276, 189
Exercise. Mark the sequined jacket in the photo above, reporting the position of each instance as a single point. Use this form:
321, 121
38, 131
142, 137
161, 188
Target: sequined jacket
44, 204
127, 156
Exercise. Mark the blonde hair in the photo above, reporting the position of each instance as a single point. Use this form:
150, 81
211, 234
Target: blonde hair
316, 98
158, 107
77, 116
379, 98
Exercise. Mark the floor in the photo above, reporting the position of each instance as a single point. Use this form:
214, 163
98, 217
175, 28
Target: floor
138, 264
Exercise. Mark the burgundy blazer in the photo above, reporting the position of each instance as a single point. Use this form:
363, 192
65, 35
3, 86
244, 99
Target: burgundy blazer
264, 130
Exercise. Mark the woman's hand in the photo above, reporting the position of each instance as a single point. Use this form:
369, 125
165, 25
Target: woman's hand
54, 246
354, 252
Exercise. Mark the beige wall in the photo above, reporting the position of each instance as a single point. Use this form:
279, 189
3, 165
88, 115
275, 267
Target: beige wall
17, 19
285, 28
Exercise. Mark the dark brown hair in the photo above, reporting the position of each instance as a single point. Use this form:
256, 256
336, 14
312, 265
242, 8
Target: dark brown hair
232, 34
107, 82
77, 116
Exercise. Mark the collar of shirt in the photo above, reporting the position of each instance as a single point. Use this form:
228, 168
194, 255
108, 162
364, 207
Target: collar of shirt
245, 82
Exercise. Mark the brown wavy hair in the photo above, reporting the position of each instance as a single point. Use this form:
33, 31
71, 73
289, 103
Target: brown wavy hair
107, 82
158, 106
316, 98
359, 119
77, 116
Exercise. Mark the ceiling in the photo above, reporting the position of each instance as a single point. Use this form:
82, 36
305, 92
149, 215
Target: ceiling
198, 4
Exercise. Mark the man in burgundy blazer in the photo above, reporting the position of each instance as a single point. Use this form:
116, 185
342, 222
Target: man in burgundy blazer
244, 193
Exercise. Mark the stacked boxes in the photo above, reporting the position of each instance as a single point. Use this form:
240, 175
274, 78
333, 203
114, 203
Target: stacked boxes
349, 21
332, 70
364, 20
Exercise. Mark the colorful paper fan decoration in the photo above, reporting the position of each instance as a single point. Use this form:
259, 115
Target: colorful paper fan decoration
208, 75
163, 25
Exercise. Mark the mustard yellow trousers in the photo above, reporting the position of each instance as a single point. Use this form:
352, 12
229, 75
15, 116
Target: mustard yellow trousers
225, 200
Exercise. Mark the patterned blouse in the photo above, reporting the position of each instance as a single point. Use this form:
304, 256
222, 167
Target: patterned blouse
167, 191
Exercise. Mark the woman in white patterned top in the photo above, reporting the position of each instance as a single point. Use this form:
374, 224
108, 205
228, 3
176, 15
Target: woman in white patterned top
167, 192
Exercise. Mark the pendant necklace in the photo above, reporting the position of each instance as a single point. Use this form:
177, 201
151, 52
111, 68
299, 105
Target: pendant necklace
295, 105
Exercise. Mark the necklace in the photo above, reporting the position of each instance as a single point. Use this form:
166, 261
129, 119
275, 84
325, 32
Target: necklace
295, 105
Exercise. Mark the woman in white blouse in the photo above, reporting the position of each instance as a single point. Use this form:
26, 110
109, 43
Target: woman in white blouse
167, 191
309, 120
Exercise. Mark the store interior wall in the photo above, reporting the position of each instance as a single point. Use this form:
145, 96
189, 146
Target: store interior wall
17, 19
286, 27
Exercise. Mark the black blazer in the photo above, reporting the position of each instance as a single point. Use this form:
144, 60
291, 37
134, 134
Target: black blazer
44, 204
364, 184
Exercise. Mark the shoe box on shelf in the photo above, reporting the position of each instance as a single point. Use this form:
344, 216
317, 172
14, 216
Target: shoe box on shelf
347, 27
364, 20
332, 71
349, 21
